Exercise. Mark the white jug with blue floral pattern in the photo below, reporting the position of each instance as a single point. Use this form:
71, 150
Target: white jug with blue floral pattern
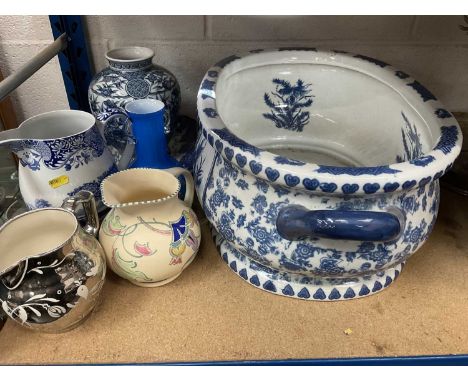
60, 153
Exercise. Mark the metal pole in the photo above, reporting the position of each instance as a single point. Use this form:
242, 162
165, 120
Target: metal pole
32, 66
74, 61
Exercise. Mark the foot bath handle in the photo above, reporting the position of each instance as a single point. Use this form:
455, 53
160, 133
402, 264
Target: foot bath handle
296, 222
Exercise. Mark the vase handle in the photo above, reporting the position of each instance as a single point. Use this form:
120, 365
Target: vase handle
189, 185
115, 127
86, 199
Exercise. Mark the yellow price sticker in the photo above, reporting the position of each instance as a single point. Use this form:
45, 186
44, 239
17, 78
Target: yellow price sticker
59, 181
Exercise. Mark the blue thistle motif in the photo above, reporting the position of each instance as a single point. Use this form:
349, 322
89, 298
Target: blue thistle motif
197, 166
287, 104
411, 142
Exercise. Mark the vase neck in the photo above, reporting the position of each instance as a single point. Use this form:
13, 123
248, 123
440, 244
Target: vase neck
130, 66
130, 58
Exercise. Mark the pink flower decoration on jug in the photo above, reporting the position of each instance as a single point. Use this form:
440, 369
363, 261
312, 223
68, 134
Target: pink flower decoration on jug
143, 249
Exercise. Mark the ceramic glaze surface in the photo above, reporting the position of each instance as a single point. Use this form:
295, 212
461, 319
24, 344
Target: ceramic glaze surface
319, 170
151, 149
131, 76
60, 153
150, 236
50, 279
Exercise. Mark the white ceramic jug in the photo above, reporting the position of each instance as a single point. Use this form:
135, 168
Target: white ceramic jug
60, 153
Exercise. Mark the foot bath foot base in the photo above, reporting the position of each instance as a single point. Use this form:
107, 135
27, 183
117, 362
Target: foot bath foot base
302, 287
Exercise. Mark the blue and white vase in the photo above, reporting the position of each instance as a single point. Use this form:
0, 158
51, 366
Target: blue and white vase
131, 76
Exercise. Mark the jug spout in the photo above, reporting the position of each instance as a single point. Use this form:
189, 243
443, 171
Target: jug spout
47, 230
28, 151
138, 186
9, 136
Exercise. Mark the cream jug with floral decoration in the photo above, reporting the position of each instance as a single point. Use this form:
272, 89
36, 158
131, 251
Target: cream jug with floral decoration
150, 236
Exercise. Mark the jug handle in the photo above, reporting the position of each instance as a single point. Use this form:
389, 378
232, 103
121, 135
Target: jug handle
103, 119
189, 186
86, 199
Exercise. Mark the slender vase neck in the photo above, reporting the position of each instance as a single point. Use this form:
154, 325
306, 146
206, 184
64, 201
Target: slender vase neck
151, 144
